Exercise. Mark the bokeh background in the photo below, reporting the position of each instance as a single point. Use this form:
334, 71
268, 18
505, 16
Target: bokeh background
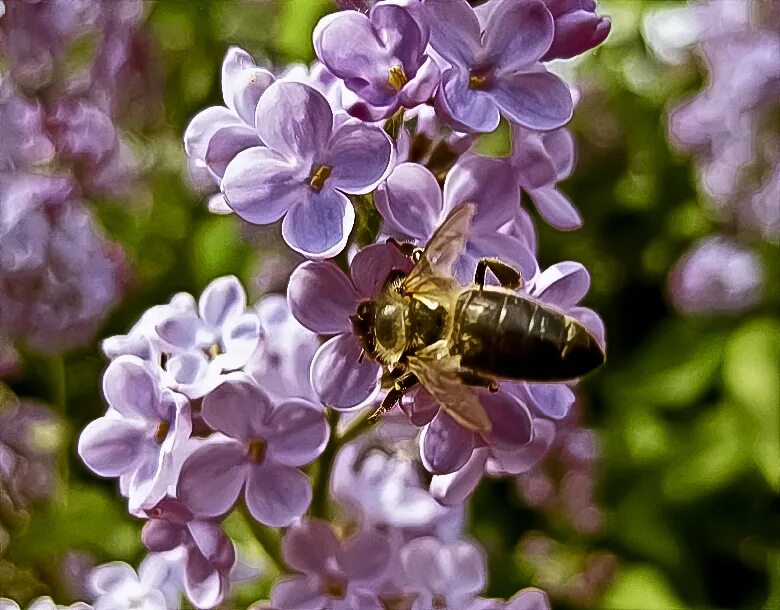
678, 510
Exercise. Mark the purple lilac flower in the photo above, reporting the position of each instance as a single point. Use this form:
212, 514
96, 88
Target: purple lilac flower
209, 552
380, 56
412, 206
42, 603
259, 453
496, 69
322, 298
140, 433
443, 575
526, 599
717, 275
334, 574
218, 133
58, 275
577, 28
455, 488
206, 341
307, 165
282, 362
23, 140
117, 586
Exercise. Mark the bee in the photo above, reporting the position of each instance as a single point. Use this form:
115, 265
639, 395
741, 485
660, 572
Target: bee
428, 330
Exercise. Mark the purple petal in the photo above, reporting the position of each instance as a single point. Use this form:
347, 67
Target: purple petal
454, 488
403, 29
131, 387
159, 535
510, 249
563, 284
276, 495
560, 146
529, 599
213, 543
212, 477
592, 321
243, 83
465, 109
445, 445
423, 408
338, 378
530, 158
359, 155
294, 120
420, 559
522, 459
537, 100
259, 185
297, 433
410, 201
365, 557
111, 446
577, 32
322, 298
553, 400
298, 593
467, 565
240, 336
222, 299
423, 86
308, 547
319, 226
205, 586
511, 420
371, 266
517, 34
109, 576
238, 409
556, 209
455, 31
187, 368
183, 330
201, 128
487, 182
224, 145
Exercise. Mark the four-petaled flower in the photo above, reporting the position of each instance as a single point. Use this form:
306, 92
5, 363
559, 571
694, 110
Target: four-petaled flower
309, 161
259, 452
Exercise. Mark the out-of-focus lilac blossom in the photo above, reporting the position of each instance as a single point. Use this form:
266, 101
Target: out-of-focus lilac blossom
58, 275
412, 206
443, 575
384, 489
138, 436
323, 298
206, 341
27, 455
763, 213
156, 586
717, 275
526, 599
308, 163
218, 133
334, 574
380, 56
23, 141
42, 603
210, 553
259, 453
496, 69
282, 362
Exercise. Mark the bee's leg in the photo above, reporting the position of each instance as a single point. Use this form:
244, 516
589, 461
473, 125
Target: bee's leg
404, 247
401, 386
507, 275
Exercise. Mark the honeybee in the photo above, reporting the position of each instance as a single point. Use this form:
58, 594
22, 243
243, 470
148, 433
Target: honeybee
429, 330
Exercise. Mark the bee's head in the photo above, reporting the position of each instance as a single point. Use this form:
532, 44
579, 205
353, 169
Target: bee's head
363, 325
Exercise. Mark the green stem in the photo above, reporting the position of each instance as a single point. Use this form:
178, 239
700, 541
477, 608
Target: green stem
355, 428
59, 399
267, 538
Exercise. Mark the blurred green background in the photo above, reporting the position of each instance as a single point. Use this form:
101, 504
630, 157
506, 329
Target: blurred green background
686, 409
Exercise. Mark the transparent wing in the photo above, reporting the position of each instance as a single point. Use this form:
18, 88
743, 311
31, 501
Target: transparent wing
440, 377
441, 253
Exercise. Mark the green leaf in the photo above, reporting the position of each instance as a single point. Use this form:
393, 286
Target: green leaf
641, 587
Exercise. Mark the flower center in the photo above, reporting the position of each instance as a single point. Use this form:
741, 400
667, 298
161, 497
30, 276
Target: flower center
318, 176
162, 432
215, 350
396, 77
257, 449
439, 602
335, 588
479, 79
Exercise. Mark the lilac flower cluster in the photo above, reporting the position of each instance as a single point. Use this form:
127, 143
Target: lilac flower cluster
58, 145
215, 407
728, 129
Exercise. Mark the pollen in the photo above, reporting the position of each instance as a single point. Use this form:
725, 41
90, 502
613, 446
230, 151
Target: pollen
215, 350
396, 77
439, 602
257, 449
162, 432
477, 81
335, 588
318, 176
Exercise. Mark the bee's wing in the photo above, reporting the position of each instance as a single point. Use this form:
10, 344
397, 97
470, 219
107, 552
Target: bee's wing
459, 401
441, 253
